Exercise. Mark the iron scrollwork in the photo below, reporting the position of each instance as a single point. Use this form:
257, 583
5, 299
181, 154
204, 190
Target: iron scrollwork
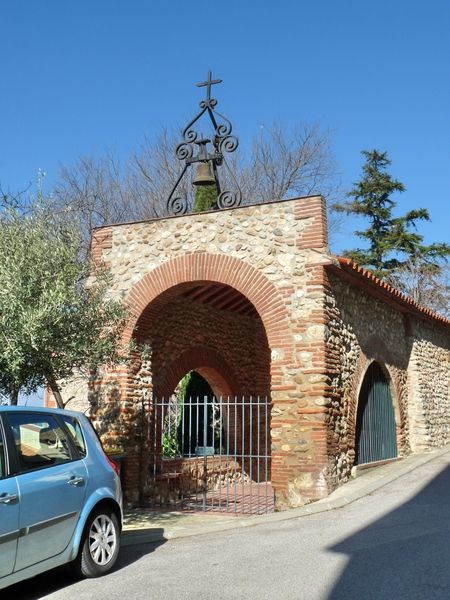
210, 151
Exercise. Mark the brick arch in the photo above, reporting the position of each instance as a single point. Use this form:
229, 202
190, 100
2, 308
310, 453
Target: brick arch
208, 363
220, 268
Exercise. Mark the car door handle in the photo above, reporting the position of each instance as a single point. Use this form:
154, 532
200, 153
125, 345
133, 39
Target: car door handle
76, 481
8, 498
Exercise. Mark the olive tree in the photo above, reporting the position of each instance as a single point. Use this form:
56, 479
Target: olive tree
51, 321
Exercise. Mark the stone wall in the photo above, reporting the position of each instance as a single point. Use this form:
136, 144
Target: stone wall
272, 254
415, 354
297, 328
74, 393
429, 371
306, 337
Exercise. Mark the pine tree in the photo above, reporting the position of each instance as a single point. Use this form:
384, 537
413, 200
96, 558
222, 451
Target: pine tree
391, 241
205, 197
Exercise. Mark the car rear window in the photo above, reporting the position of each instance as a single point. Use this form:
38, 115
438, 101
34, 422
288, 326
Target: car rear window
2, 456
75, 432
39, 440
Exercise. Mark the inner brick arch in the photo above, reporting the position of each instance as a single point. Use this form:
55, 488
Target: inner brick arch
155, 289
208, 363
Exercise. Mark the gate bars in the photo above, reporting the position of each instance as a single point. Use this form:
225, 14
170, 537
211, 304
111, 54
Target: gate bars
209, 453
376, 437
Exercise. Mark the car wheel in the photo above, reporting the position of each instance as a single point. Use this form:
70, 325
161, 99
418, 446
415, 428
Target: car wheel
100, 544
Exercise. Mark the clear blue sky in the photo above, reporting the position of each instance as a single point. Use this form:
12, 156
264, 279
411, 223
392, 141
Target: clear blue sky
81, 76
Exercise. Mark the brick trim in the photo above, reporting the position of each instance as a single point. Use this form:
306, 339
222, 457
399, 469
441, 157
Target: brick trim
208, 363
313, 211
102, 239
158, 286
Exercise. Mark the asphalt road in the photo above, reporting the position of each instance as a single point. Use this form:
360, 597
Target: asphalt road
393, 544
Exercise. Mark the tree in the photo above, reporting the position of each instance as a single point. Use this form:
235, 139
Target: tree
205, 198
425, 283
392, 244
94, 192
51, 322
279, 164
290, 162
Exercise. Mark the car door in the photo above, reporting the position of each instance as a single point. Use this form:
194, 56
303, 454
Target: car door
9, 511
51, 482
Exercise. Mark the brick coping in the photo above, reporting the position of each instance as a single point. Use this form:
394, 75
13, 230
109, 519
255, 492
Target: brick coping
205, 212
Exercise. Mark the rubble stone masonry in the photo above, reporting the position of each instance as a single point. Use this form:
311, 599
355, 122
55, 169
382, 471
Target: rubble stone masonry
307, 343
273, 255
429, 371
414, 353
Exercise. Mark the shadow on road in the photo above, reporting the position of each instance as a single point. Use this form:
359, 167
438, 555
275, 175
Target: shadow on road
62, 577
404, 555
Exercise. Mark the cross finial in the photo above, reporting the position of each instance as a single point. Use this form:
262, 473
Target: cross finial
208, 83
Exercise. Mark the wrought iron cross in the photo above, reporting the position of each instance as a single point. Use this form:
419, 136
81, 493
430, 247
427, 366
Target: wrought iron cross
221, 142
208, 83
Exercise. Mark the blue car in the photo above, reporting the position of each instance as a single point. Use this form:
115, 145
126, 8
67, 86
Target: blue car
60, 495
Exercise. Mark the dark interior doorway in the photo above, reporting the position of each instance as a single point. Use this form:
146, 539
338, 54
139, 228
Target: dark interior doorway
199, 426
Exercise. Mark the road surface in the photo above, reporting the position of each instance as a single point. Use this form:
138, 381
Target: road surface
392, 544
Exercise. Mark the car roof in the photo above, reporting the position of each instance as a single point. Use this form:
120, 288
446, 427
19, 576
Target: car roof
39, 409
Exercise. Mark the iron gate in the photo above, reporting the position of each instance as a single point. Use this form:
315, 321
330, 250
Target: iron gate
209, 454
375, 425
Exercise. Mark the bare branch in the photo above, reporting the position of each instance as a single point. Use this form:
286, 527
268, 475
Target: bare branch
281, 163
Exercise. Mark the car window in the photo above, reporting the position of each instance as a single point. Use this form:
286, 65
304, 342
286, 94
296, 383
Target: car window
2, 457
40, 441
75, 432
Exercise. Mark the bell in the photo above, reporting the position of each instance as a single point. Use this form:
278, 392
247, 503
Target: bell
204, 175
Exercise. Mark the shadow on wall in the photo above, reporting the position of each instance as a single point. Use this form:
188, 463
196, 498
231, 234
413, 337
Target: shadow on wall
115, 428
404, 555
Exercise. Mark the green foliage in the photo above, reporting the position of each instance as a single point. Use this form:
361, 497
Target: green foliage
183, 386
51, 322
205, 197
170, 440
170, 445
391, 242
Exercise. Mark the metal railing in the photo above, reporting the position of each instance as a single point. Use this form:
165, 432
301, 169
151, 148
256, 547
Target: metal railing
209, 454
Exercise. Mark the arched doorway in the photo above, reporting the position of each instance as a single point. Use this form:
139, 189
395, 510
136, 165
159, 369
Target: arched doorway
375, 435
208, 447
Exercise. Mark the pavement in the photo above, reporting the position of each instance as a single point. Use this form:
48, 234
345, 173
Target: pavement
149, 526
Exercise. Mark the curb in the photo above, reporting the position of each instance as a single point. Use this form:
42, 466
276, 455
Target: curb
363, 485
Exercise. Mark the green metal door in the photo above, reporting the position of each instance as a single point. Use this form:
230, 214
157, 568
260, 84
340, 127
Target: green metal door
375, 423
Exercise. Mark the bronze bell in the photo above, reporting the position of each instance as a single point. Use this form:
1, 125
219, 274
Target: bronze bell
204, 175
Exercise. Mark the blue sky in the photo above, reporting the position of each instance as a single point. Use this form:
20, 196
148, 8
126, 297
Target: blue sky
82, 76
36, 399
